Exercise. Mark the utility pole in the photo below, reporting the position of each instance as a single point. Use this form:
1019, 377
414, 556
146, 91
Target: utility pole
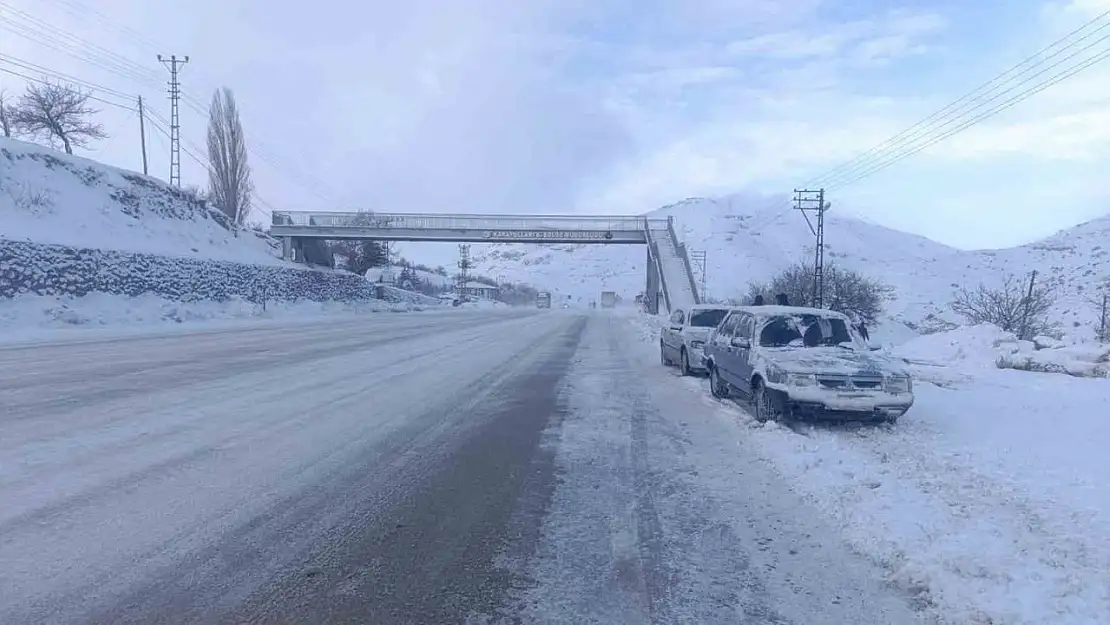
806, 200
697, 258
142, 135
173, 63
1025, 308
388, 270
464, 269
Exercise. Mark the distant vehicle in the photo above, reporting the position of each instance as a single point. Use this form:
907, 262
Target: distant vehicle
683, 338
804, 363
543, 300
608, 299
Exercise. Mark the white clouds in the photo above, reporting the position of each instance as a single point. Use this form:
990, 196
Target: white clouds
885, 37
547, 105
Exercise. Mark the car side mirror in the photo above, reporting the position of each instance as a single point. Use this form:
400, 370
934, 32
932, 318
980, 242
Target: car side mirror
676, 326
741, 342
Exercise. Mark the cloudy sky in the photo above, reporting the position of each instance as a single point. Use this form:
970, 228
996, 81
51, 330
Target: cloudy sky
603, 106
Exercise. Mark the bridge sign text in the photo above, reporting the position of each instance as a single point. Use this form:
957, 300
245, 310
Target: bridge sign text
548, 234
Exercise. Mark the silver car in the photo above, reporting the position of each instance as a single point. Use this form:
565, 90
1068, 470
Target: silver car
682, 340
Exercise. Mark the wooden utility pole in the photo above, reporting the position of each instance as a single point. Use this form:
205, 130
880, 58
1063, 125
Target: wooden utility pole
142, 135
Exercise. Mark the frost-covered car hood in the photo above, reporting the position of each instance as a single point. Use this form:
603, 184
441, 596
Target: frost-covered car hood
834, 360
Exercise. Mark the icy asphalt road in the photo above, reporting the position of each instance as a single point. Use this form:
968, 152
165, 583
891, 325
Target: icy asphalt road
524, 467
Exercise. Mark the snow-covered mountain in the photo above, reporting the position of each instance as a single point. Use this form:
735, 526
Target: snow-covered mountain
748, 238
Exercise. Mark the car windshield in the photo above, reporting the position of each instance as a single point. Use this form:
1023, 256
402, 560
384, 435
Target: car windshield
805, 331
707, 318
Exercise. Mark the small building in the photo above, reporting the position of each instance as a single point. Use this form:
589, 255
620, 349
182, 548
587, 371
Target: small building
480, 290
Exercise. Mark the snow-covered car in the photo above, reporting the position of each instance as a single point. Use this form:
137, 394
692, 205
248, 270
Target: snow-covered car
804, 363
682, 340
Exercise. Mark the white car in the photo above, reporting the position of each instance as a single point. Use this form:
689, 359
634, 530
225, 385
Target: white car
682, 340
804, 363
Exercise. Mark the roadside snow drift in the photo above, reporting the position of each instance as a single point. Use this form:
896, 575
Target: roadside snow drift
50, 197
986, 346
987, 500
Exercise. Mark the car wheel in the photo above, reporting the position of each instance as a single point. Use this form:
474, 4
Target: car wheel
768, 406
685, 363
717, 386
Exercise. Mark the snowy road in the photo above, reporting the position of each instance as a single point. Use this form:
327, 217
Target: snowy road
470, 467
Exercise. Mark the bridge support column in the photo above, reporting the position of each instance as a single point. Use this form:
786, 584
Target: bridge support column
651, 291
287, 248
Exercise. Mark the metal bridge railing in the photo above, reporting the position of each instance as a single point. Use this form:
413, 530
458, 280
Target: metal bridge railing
432, 221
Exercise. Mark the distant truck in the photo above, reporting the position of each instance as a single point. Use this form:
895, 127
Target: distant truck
608, 299
543, 300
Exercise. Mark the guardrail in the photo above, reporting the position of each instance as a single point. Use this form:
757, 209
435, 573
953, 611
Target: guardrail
680, 247
433, 221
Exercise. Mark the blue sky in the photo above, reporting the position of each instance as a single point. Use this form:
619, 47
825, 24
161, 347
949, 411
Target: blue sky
602, 106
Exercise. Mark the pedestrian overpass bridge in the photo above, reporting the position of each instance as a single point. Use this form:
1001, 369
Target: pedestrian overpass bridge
669, 275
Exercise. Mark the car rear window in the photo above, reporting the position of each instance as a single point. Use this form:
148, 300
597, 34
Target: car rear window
707, 318
814, 331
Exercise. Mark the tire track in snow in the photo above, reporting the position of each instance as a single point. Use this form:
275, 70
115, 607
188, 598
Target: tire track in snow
628, 538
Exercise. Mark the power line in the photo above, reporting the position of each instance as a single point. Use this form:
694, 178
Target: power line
1021, 97
191, 149
45, 34
890, 151
42, 81
890, 159
73, 7
958, 105
27, 65
30, 27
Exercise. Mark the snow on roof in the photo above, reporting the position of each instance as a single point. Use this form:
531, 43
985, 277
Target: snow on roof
790, 310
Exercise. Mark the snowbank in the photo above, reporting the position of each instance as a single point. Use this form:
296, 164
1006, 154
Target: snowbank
39, 317
50, 197
976, 346
986, 346
987, 501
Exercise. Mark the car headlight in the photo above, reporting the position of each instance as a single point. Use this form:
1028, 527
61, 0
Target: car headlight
899, 384
697, 344
801, 379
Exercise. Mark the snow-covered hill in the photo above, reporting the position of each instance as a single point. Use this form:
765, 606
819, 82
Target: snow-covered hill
748, 238
50, 197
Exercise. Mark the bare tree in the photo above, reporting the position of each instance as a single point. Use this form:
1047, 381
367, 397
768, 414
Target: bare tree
1012, 306
846, 291
5, 114
229, 174
56, 113
1100, 300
